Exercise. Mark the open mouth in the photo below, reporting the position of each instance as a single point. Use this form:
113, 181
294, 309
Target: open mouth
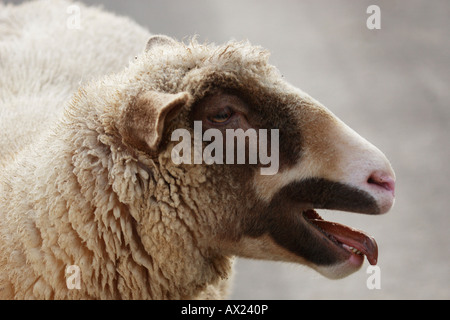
333, 249
354, 241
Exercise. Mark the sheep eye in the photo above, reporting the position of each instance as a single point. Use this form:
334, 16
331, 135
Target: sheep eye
221, 117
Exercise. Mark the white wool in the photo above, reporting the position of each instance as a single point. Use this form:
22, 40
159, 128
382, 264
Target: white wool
51, 52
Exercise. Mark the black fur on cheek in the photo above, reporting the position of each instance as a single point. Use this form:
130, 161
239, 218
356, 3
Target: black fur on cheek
282, 217
324, 194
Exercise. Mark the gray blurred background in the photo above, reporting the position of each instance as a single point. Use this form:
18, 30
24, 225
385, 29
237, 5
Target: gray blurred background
390, 85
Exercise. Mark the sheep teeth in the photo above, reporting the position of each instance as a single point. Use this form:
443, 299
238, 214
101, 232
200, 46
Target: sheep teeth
354, 250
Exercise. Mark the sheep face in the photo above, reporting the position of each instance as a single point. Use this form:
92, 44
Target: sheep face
234, 209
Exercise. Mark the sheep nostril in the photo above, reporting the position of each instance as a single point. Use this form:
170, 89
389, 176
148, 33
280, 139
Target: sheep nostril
383, 180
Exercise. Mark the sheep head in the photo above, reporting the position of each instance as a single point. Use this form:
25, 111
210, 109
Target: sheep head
233, 209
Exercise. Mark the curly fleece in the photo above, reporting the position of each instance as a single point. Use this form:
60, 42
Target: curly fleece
138, 226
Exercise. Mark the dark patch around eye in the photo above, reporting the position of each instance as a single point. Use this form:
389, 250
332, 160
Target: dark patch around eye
222, 116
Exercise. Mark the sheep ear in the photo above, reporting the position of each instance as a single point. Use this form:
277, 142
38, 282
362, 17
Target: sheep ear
160, 40
143, 121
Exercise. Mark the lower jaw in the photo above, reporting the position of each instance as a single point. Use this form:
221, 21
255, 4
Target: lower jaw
343, 268
356, 260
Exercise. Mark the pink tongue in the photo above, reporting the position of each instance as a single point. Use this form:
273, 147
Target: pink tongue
351, 237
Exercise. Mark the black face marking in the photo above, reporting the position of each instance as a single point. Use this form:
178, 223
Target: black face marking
325, 194
282, 220
282, 217
263, 111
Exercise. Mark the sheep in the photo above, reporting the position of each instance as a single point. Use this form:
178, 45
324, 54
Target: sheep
95, 187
